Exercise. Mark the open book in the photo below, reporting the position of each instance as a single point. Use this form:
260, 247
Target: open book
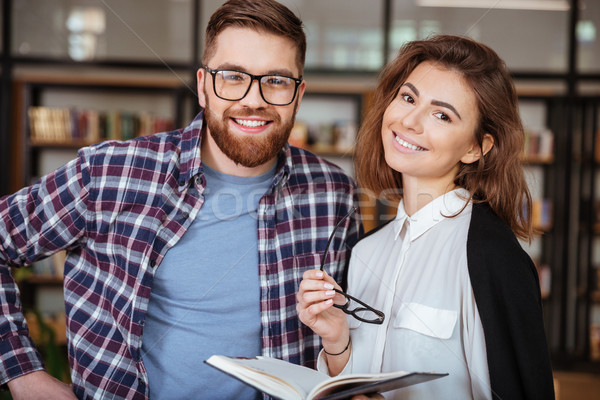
288, 381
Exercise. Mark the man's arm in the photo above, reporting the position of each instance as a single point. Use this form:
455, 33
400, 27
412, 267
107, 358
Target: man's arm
35, 222
39, 385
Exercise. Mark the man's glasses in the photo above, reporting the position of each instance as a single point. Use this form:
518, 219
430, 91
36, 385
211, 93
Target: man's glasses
359, 310
277, 90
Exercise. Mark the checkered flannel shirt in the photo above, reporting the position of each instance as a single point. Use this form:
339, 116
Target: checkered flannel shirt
117, 208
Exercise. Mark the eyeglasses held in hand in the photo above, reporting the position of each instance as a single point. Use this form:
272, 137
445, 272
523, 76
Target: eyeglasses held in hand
277, 90
353, 306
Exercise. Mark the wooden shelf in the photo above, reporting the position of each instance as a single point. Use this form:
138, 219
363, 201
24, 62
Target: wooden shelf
329, 151
103, 79
534, 159
71, 144
43, 280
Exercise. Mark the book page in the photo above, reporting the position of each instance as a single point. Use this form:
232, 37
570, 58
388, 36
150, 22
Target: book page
344, 382
276, 377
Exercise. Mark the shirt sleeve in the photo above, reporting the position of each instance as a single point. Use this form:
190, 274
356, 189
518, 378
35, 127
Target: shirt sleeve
324, 368
35, 223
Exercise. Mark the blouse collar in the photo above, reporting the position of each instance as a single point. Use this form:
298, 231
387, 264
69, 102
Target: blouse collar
446, 205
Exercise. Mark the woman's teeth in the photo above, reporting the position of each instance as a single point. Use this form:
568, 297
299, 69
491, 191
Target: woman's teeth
404, 143
250, 123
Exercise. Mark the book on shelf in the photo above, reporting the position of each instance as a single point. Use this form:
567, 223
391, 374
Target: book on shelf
541, 214
48, 125
545, 277
539, 143
337, 136
595, 342
299, 135
597, 147
284, 380
51, 267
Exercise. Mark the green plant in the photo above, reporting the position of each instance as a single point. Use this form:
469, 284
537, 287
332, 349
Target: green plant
54, 357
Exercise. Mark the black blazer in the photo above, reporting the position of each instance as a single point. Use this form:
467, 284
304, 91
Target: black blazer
507, 292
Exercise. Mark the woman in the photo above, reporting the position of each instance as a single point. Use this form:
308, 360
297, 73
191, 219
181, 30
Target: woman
458, 292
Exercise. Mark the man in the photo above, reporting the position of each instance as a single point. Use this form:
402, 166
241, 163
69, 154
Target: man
188, 243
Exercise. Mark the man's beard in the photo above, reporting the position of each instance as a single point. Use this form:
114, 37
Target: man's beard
249, 150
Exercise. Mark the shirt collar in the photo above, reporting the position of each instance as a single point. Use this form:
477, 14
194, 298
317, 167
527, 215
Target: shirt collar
284, 166
446, 205
189, 159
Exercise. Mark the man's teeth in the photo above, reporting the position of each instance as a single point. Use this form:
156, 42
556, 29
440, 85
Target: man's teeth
250, 123
408, 145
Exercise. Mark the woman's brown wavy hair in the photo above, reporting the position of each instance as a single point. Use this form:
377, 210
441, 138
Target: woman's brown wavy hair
497, 178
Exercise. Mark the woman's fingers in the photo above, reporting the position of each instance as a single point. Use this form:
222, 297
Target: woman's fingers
318, 275
312, 311
314, 289
315, 296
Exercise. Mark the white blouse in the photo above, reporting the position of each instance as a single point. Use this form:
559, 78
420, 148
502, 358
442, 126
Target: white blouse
415, 270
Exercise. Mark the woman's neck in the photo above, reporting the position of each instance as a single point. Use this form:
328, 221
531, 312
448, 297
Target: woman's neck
416, 194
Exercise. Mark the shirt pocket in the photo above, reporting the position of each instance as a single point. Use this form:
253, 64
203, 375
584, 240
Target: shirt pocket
429, 321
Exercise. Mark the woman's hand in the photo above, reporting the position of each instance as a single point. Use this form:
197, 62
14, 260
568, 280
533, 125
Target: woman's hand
315, 309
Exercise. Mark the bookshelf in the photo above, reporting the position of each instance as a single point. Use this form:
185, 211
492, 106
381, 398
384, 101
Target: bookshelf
54, 125
327, 123
51, 136
586, 276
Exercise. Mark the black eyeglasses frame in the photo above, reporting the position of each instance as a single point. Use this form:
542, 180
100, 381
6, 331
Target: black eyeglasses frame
344, 307
213, 72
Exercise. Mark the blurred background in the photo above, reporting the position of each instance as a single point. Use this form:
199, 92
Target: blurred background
76, 72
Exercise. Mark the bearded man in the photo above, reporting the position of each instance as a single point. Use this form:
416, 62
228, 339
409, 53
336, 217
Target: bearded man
189, 243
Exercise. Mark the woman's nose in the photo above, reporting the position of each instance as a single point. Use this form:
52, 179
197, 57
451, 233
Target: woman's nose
413, 120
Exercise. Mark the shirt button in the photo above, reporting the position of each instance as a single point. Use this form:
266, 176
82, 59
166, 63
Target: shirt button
152, 263
185, 215
141, 381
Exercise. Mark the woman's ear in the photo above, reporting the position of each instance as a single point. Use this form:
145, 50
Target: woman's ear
475, 152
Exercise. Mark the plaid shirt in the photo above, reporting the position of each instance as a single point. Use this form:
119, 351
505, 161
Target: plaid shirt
117, 208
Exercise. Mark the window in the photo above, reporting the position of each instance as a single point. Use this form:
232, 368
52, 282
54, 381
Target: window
541, 35
340, 34
86, 30
588, 40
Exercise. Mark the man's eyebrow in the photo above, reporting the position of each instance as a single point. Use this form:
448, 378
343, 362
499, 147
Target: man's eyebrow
235, 67
446, 105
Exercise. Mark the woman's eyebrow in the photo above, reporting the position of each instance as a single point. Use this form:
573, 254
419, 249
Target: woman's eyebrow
446, 105
412, 87
434, 102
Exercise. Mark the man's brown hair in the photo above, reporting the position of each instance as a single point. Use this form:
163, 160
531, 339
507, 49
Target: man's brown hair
497, 177
262, 15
